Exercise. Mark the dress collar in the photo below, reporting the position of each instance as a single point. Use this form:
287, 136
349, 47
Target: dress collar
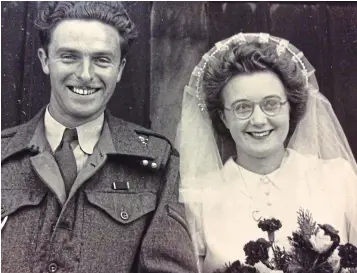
88, 133
251, 180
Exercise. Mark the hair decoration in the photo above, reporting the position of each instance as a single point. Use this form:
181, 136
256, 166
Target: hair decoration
282, 46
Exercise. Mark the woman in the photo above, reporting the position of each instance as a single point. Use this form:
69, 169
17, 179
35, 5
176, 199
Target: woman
289, 150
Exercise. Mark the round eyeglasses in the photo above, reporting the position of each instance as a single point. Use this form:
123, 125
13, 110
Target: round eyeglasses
243, 109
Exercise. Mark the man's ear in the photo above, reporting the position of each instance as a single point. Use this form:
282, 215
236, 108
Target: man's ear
121, 68
42, 55
223, 117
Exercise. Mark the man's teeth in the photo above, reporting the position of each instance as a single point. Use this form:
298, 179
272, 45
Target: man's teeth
260, 134
81, 91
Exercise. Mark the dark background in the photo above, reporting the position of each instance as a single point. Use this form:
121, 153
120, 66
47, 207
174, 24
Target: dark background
173, 37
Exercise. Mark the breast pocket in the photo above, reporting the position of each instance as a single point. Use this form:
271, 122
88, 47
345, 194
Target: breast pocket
122, 207
114, 224
20, 217
16, 204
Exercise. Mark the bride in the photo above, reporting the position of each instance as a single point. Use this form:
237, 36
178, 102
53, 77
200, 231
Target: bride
259, 93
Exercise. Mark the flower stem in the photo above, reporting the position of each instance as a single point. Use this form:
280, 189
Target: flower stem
267, 264
271, 237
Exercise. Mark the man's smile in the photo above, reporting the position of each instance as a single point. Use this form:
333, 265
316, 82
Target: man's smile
83, 90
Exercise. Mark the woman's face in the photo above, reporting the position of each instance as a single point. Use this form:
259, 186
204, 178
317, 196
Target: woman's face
259, 135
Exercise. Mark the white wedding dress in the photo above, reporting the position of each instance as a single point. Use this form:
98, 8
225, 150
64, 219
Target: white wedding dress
229, 211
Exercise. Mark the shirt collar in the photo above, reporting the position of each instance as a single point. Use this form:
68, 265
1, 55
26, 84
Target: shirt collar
88, 133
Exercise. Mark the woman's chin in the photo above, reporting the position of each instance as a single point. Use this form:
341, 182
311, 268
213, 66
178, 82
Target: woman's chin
263, 152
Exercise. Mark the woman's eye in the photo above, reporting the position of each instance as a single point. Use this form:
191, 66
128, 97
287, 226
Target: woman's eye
271, 103
243, 107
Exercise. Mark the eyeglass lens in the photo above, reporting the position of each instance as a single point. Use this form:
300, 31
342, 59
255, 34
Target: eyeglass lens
270, 106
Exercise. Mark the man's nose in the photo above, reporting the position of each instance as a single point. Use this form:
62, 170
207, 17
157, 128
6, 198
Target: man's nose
85, 71
258, 117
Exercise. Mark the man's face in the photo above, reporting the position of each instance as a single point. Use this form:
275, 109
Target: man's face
84, 64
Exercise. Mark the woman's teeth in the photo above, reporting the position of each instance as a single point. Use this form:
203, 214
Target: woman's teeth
260, 134
83, 91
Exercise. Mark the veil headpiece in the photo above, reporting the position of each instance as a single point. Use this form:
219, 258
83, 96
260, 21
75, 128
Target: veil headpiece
319, 133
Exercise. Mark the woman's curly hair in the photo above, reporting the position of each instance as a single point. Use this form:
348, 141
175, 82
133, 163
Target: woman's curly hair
250, 58
111, 13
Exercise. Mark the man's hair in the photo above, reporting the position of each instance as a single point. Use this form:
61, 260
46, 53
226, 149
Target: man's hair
111, 13
250, 58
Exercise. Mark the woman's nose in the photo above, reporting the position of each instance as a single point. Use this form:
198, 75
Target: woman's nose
258, 117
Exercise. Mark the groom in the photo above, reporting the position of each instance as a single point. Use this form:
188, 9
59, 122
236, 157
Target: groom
83, 191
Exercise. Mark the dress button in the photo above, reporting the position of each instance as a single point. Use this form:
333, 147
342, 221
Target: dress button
124, 215
265, 179
52, 267
153, 165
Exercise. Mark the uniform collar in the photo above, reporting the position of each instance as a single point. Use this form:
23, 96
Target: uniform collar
22, 138
118, 137
124, 138
88, 133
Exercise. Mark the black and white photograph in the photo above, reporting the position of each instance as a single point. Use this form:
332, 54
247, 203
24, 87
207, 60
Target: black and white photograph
178, 137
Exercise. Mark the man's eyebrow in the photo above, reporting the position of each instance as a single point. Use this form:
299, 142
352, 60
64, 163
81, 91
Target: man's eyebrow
95, 54
66, 49
103, 53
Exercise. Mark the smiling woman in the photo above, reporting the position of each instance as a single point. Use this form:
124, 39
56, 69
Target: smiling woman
289, 149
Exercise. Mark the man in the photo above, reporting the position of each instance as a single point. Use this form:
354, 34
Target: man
104, 196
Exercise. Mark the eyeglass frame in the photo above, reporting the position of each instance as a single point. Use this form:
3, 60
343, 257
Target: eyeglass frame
260, 106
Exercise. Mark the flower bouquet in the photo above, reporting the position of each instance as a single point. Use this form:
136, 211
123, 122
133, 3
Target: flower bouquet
315, 248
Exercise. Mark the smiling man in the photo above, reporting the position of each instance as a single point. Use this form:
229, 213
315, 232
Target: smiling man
83, 191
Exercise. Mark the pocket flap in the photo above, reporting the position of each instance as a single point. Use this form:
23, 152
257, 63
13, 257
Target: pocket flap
12, 200
123, 207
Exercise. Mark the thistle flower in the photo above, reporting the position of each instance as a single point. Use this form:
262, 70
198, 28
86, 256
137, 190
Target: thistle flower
256, 251
320, 242
348, 254
269, 225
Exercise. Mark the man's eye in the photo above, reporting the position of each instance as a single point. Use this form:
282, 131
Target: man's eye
68, 57
103, 60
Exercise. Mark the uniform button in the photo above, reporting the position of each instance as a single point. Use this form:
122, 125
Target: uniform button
153, 165
52, 267
124, 215
145, 162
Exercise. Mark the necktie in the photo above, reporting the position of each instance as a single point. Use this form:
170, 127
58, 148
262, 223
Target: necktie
65, 158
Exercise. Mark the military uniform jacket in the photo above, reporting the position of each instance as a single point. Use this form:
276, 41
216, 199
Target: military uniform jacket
121, 215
